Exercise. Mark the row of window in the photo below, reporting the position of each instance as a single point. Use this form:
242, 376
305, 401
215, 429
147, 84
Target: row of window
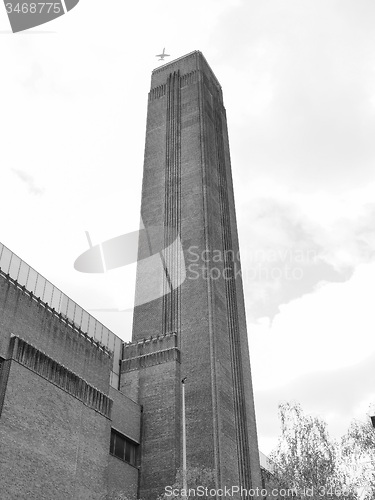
123, 448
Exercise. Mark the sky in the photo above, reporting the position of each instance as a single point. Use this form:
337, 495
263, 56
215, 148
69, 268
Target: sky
298, 79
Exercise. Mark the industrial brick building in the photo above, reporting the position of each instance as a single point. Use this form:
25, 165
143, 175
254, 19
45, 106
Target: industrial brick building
84, 415
60, 417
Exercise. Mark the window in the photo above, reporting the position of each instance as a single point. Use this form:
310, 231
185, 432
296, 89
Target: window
121, 447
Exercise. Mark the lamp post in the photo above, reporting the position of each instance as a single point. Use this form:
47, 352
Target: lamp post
184, 471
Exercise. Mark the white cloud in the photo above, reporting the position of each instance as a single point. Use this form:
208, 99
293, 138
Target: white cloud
292, 242
326, 330
365, 408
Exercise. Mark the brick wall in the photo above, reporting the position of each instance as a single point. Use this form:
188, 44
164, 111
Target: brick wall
55, 415
52, 445
157, 364
126, 415
122, 478
187, 180
22, 316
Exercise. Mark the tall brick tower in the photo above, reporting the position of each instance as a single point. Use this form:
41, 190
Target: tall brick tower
195, 326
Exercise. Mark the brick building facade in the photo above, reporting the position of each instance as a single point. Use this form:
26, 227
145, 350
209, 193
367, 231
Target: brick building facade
187, 188
57, 408
84, 415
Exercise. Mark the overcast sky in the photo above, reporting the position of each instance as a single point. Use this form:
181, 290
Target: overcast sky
298, 79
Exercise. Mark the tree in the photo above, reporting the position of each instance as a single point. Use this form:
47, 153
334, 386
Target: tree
358, 458
307, 461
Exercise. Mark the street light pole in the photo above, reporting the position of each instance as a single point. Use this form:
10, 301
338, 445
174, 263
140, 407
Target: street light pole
184, 470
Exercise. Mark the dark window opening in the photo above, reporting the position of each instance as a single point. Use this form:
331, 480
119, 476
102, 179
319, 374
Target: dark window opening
121, 447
